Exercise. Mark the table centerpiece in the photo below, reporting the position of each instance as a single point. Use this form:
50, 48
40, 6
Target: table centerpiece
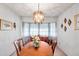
36, 41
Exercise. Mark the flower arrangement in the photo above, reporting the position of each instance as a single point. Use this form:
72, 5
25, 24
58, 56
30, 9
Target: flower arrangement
36, 41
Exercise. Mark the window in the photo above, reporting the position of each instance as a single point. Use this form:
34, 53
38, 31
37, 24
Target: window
26, 29
33, 29
45, 29
52, 29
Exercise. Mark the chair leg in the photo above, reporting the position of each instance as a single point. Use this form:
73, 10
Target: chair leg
53, 47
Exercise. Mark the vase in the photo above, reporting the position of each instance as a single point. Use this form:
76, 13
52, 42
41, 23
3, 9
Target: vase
36, 44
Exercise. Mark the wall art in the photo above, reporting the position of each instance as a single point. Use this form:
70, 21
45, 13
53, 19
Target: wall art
69, 22
14, 25
61, 25
5, 25
76, 22
65, 28
65, 20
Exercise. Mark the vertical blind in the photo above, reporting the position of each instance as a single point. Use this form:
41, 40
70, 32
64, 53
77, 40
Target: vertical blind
45, 29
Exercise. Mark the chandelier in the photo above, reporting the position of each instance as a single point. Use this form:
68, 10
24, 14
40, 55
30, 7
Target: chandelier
38, 16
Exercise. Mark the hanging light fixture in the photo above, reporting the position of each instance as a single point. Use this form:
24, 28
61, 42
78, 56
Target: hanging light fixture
38, 16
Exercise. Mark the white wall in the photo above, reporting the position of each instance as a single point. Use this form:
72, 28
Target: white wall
7, 37
68, 41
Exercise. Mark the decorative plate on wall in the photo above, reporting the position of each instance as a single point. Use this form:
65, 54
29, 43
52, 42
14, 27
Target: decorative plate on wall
14, 25
65, 28
65, 20
61, 25
69, 22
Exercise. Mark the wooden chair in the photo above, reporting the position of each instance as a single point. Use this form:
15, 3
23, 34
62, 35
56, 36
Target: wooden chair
53, 45
49, 42
18, 45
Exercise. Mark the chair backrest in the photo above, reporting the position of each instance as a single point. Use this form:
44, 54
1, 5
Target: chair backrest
21, 42
18, 45
49, 42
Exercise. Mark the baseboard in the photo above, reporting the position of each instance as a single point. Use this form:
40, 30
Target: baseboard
62, 51
12, 53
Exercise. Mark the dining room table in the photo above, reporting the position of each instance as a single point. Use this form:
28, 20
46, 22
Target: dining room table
43, 50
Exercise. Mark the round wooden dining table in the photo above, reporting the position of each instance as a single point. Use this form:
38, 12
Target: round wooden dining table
43, 50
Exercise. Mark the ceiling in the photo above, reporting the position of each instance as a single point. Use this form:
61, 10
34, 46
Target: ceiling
49, 9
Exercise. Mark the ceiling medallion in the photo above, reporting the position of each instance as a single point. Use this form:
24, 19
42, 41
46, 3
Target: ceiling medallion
38, 16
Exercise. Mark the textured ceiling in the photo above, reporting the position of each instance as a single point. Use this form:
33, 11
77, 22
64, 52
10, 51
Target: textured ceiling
49, 9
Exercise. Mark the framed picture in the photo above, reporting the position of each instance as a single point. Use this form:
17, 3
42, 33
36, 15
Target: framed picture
5, 25
76, 22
